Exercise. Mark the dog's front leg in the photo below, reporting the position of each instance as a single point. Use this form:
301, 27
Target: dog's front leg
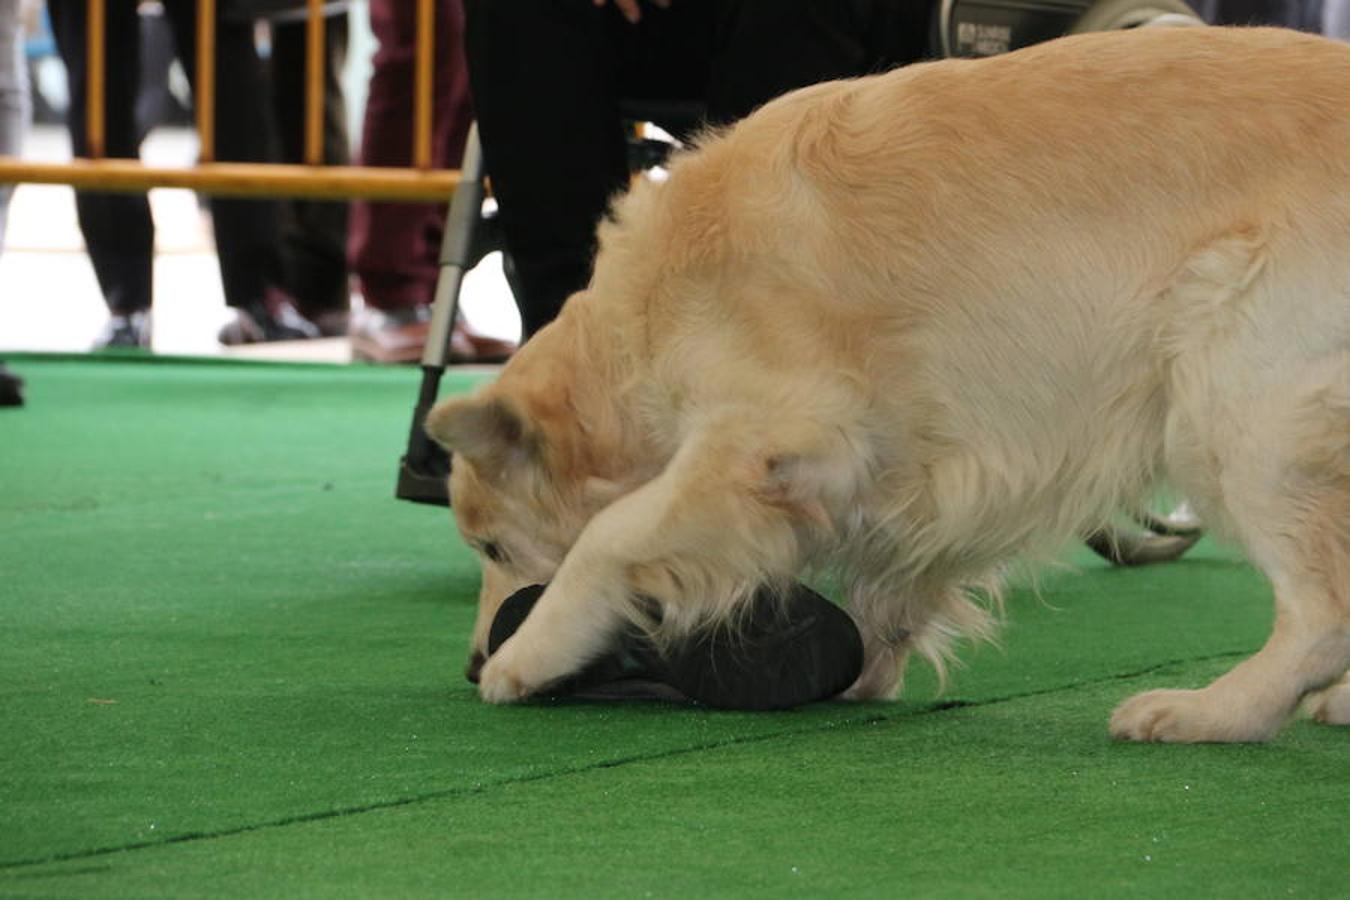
570, 625
731, 511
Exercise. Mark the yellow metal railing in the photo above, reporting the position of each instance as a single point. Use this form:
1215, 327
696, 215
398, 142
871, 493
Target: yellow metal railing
310, 179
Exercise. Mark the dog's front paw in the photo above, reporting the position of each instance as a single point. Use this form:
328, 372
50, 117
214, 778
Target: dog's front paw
1186, 717
503, 682
521, 668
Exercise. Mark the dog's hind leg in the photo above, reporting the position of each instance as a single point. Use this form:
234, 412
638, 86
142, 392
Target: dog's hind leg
1283, 483
887, 633
738, 506
896, 622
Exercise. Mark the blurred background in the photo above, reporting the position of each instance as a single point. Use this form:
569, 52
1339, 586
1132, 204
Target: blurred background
50, 299
334, 280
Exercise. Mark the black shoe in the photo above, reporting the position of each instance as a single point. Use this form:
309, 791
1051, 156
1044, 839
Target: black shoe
11, 387
260, 323
125, 332
785, 653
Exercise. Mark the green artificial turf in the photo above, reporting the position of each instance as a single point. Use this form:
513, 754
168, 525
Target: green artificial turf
230, 666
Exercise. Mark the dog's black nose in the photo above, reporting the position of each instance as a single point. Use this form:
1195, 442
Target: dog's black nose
474, 667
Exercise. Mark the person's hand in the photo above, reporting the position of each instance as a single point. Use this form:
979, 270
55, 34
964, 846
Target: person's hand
630, 9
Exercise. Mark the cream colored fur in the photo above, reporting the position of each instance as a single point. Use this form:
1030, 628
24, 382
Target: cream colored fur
911, 327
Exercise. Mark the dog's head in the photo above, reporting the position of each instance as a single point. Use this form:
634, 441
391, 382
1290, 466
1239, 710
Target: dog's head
532, 455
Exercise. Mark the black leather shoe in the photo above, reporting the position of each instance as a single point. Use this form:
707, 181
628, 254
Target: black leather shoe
785, 653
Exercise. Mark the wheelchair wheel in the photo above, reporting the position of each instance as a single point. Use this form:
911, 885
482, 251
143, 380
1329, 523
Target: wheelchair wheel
976, 28
1112, 15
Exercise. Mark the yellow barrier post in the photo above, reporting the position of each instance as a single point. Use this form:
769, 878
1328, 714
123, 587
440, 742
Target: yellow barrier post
314, 66
95, 64
205, 94
419, 184
422, 88
239, 179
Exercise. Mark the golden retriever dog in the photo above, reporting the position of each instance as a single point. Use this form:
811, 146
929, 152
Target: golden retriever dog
910, 327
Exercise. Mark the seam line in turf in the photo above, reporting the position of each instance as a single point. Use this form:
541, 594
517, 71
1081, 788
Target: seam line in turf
938, 706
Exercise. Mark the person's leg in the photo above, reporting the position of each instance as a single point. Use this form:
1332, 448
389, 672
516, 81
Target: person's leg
117, 228
1311, 16
155, 101
14, 114
314, 232
764, 48
547, 76
393, 246
1286, 13
14, 102
247, 231
897, 33
1336, 19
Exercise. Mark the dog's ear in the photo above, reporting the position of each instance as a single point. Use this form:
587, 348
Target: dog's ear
488, 430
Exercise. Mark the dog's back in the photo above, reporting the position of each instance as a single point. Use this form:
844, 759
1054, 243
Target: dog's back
999, 250
998, 176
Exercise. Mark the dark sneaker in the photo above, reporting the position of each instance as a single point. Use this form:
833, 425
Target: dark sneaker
785, 653
125, 332
276, 320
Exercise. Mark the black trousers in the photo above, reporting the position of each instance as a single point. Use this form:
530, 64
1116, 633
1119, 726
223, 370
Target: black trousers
313, 232
548, 77
1305, 15
117, 228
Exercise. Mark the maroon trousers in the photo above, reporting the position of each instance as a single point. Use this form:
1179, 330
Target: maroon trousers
393, 247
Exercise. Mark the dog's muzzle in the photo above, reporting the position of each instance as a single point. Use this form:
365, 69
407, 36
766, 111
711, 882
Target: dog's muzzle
475, 666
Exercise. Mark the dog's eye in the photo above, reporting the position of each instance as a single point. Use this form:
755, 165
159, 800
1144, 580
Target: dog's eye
493, 551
